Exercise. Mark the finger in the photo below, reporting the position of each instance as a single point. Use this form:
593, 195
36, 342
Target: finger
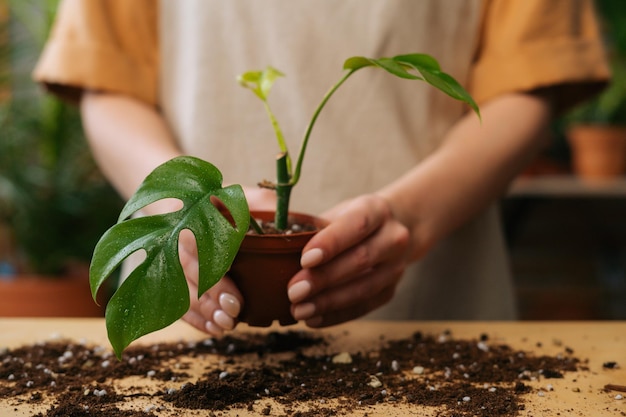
195, 319
207, 307
365, 290
359, 219
222, 304
187, 246
213, 313
226, 286
354, 312
198, 321
388, 245
218, 308
195, 316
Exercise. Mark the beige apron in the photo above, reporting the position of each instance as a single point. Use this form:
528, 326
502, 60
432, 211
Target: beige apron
374, 129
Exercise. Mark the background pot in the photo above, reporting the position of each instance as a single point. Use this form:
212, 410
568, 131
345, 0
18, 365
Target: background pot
598, 151
32, 295
264, 266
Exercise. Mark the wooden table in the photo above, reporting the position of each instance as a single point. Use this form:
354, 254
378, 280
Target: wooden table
578, 394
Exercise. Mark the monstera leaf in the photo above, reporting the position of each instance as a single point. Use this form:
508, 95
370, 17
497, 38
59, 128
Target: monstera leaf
155, 294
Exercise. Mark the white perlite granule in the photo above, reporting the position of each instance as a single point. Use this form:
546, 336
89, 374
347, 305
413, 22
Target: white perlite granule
343, 357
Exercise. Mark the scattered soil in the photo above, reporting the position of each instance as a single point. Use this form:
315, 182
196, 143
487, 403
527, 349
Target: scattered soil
293, 369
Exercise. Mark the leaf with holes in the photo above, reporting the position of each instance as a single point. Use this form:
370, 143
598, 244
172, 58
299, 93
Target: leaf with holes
155, 294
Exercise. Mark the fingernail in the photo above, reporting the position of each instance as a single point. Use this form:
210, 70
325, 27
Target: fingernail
311, 258
213, 329
230, 304
304, 311
223, 320
299, 291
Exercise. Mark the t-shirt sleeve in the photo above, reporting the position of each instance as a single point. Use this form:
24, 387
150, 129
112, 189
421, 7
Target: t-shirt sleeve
103, 45
527, 45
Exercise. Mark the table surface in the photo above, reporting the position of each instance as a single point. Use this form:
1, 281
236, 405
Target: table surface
578, 394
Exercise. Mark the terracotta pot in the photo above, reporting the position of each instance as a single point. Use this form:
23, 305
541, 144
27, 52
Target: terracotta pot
264, 266
598, 152
47, 296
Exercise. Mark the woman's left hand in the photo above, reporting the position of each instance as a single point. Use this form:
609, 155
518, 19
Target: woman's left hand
352, 266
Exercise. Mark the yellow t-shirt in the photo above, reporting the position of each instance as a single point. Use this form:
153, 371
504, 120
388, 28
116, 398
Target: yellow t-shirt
523, 45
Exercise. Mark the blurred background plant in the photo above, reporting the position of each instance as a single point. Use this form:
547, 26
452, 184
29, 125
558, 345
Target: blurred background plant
596, 130
571, 151
609, 107
54, 203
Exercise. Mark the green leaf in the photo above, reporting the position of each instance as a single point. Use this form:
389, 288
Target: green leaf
419, 61
155, 294
260, 82
429, 68
425, 65
388, 64
357, 62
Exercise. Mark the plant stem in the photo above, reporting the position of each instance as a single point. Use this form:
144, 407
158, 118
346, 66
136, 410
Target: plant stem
307, 134
283, 191
282, 145
255, 226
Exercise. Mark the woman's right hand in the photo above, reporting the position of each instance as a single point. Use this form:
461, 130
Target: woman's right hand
216, 310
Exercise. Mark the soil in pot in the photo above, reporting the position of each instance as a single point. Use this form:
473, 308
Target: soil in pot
266, 263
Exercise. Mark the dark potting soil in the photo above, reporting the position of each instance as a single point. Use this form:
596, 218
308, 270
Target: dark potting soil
293, 368
269, 228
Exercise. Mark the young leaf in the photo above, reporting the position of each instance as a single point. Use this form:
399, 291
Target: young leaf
399, 66
260, 82
425, 65
155, 294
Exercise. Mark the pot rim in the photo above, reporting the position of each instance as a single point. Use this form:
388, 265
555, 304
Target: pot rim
268, 215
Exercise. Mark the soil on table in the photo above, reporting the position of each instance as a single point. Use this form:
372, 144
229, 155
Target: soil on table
293, 369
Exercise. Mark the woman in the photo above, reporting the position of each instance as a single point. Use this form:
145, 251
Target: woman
407, 177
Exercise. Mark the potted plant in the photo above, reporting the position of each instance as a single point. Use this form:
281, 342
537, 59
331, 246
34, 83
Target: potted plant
596, 130
155, 294
54, 204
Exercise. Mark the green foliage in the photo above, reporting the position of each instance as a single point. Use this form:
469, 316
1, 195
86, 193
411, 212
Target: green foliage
155, 294
260, 83
425, 65
609, 107
402, 66
51, 193
52, 196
